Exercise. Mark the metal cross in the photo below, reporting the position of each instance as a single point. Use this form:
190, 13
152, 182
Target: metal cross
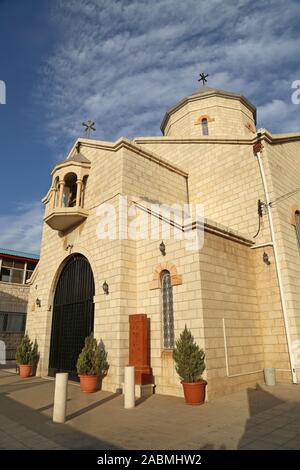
203, 78
89, 126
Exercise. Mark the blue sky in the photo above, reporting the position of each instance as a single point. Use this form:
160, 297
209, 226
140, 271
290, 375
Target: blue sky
122, 64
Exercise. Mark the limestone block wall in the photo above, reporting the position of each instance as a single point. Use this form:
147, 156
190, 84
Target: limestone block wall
224, 177
230, 301
282, 163
142, 178
13, 297
217, 283
113, 172
187, 303
270, 309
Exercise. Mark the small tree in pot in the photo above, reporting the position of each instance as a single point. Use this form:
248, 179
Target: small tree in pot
91, 363
25, 356
35, 357
190, 365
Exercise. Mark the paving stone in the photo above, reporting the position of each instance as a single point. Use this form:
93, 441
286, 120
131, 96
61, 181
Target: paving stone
99, 421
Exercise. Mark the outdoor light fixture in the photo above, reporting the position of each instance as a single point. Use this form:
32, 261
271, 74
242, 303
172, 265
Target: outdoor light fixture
162, 248
266, 259
105, 288
38, 302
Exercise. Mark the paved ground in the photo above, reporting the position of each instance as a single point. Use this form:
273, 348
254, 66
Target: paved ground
265, 418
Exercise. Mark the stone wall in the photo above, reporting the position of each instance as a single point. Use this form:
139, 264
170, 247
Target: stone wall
13, 298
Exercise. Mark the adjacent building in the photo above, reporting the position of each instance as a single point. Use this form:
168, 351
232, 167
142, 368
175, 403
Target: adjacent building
15, 270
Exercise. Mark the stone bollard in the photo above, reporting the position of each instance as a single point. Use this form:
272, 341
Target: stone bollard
60, 397
129, 387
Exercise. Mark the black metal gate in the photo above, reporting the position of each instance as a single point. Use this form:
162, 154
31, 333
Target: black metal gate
73, 315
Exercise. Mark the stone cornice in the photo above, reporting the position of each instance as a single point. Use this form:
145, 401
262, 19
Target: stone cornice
124, 143
201, 140
275, 139
210, 226
226, 232
67, 163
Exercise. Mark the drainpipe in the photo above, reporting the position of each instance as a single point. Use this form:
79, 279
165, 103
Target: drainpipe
257, 151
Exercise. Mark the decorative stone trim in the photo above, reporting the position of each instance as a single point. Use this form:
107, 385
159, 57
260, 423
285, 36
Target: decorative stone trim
176, 279
294, 209
250, 127
203, 116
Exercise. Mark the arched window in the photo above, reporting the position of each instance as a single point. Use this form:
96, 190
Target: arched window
204, 124
297, 226
167, 310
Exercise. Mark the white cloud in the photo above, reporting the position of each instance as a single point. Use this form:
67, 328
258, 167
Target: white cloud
284, 116
123, 63
22, 229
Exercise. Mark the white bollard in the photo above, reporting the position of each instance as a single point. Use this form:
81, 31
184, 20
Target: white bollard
60, 397
129, 387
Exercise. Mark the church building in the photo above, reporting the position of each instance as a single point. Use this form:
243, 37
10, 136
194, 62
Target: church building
197, 227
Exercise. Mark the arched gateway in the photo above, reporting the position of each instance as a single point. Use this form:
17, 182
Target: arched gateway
73, 315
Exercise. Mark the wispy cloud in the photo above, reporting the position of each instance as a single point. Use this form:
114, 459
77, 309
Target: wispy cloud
123, 63
22, 229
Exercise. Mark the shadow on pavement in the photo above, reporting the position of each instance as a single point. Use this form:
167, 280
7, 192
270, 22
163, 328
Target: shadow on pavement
28, 427
92, 406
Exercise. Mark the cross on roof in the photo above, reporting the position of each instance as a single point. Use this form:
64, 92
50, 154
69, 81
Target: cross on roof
203, 78
89, 126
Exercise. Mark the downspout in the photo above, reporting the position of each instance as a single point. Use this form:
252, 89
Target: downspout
257, 152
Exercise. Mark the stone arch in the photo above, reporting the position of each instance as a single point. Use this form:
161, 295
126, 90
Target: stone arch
72, 314
59, 266
294, 210
176, 279
203, 116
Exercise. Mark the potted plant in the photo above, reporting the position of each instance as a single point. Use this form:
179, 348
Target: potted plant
35, 357
189, 365
24, 356
91, 363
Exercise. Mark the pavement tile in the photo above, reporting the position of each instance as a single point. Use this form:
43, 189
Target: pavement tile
263, 419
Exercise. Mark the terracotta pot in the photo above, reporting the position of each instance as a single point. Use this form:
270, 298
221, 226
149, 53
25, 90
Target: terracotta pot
194, 393
25, 370
88, 383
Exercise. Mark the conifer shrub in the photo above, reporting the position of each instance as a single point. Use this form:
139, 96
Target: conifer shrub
25, 351
188, 357
93, 358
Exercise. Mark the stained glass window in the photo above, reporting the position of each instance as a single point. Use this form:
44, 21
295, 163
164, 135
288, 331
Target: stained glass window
168, 314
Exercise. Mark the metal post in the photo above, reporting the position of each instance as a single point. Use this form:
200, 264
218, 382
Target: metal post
60, 397
129, 387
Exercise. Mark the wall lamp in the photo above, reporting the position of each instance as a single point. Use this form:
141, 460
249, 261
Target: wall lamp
266, 259
162, 248
38, 303
105, 288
